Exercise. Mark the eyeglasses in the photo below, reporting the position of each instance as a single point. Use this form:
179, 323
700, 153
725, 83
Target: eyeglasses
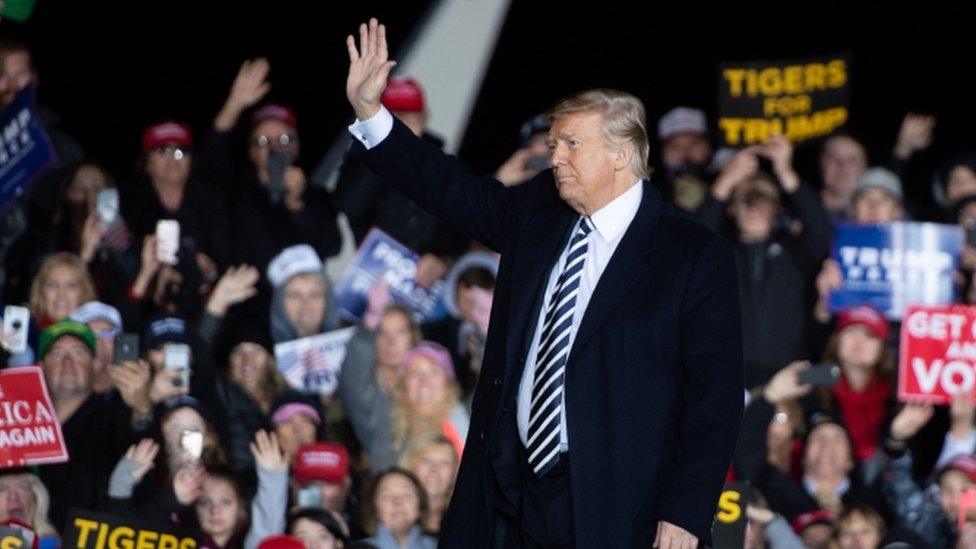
178, 153
283, 140
60, 353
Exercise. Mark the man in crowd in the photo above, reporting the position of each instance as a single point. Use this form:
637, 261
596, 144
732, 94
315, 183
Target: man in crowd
97, 430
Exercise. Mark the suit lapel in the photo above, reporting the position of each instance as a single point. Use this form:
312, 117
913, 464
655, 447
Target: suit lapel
545, 236
630, 261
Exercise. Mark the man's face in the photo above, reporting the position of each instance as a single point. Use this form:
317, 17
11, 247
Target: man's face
474, 306
68, 368
841, 164
684, 149
305, 303
271, 135
16, 73
828, 452
582, 162
951, 486
875, 205
858, 533
393, 338
16, 498
754, 215
168, 165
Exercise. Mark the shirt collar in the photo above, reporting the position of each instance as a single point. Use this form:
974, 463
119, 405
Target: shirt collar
611, 220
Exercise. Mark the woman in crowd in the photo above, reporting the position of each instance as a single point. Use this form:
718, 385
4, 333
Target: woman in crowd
318, 528
433, 459
396, 509
862, 396
302, 303
60, 287
23, 497
427, 398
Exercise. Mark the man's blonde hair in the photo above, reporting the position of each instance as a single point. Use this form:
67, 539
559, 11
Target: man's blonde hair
624, 121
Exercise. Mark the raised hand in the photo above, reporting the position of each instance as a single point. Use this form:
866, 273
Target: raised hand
132, 381
251, 83
738, 168
785, 385
236, 286
909, 420
267, 452
779, 151
914, 135
369, 67
144, 454
188, 484
91, 237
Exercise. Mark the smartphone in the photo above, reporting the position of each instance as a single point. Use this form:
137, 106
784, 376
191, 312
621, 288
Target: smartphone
107, 206
192, 443
310, 496
176, 356
167, 240
820, 375
16, 321
126, 348
278, 161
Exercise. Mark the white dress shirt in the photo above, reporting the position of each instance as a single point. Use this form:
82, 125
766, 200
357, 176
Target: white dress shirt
609, 225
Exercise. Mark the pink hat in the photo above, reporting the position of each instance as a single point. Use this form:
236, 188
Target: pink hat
434, 352
287, 411
403, 95
866, 316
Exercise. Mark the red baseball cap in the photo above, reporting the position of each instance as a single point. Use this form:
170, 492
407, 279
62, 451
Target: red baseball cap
281, 541
322, 461
866, 316
170, 131
403, 95
818, 516
274, 111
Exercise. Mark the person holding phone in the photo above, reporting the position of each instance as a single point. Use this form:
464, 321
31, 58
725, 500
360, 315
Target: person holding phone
828, 478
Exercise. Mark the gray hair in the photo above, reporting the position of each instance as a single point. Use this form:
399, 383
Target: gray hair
624, 121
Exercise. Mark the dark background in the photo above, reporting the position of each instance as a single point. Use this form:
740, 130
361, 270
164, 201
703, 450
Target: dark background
111, 67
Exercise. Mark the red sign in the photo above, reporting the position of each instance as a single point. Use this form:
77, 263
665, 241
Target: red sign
30, 433
938, 353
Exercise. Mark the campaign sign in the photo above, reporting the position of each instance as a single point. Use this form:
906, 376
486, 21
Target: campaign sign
938, 353
16, 536
91, 530
381, 256
729, 529
893, 265
30, 433
803, 99
25, 149
312, 364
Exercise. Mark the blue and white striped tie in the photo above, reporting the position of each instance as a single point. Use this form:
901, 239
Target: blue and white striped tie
550, 363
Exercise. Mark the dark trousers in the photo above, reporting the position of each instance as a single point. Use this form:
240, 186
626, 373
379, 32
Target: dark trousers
546, 506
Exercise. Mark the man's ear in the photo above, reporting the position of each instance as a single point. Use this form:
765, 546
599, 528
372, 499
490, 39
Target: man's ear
621, 158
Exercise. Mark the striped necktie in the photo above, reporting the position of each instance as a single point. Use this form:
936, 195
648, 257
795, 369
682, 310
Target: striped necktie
550, 364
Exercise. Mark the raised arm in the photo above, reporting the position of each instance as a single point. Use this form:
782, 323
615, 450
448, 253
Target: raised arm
480, 207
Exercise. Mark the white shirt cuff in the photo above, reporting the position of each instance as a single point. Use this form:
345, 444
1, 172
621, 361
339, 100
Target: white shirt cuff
952, 447
373, 131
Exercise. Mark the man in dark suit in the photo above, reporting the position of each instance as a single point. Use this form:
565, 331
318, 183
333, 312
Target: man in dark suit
611, 390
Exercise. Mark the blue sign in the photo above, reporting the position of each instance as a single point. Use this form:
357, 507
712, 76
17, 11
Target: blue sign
381, 256
891, 266
25, 149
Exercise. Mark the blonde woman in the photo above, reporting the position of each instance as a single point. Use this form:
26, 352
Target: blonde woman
62, 284
433, 459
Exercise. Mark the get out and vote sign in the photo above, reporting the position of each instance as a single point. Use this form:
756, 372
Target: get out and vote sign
938, 353
803, 99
